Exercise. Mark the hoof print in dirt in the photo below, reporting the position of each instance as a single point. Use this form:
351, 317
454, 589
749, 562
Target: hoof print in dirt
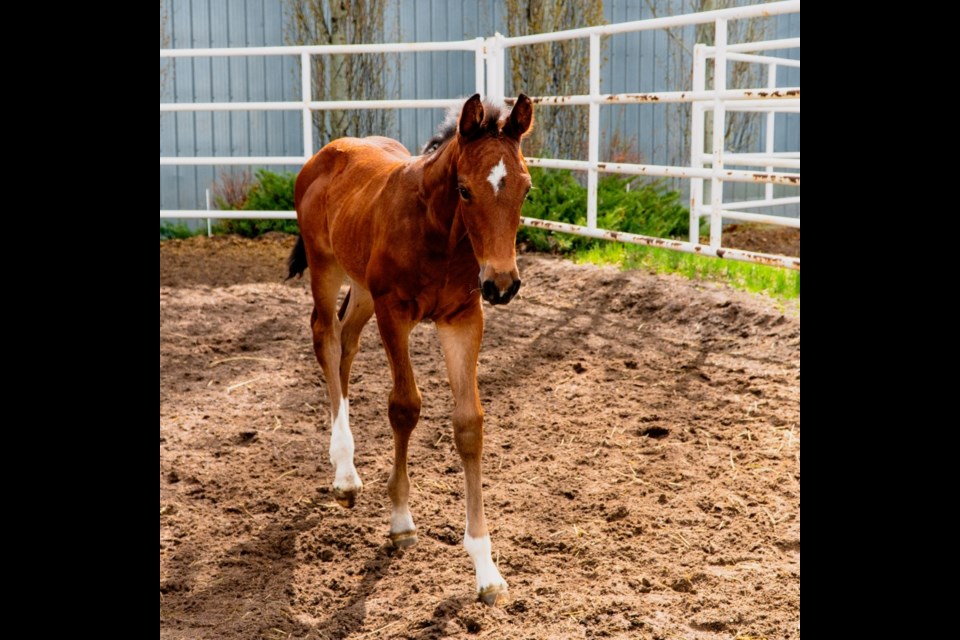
518, 606
445, 534
654, 432
472, 625
683, 585
619, 513
246, 437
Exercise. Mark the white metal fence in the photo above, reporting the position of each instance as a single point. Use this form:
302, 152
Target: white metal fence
490, 73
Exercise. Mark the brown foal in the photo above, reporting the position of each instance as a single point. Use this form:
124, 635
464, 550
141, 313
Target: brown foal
412, 234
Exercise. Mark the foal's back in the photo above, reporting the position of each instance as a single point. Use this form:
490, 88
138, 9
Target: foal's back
344, 194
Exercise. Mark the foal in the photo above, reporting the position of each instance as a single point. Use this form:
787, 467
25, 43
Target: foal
412, 234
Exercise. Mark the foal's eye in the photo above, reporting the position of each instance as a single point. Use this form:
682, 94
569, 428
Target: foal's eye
464, 193
526, 196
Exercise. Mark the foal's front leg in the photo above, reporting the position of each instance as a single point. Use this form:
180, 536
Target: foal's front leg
404, 412
460, 339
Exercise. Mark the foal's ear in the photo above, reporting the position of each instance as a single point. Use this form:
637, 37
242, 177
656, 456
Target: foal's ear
471, 117
521, 118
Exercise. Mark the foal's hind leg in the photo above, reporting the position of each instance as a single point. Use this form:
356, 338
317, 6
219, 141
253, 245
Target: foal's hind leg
355, 317
460, 339
326, 276
404, 412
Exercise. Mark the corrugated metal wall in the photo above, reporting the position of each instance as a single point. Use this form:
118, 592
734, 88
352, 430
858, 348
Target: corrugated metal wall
633, 62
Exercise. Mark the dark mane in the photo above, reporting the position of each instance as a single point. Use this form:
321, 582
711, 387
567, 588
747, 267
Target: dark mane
492, 113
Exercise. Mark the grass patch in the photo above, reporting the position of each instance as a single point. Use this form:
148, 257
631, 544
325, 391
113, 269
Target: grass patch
757, 278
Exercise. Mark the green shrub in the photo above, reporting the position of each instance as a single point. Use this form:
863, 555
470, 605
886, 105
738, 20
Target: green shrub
270, 192
170, 231
650, 208
647, 208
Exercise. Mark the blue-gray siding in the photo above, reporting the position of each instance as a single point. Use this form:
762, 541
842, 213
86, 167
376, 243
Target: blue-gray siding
633, 62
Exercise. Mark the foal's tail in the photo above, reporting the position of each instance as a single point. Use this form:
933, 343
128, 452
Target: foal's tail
296, 264
297, 261
343, 305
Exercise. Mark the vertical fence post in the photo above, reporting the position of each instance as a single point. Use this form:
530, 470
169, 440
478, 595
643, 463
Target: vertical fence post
305, 93
209, 226
771, 119
696, 141
479, 56
499, 68
719, 128
490, 46
593, 155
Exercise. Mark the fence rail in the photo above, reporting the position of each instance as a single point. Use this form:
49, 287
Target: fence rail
490, 74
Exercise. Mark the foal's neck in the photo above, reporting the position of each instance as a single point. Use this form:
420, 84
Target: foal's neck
438, 193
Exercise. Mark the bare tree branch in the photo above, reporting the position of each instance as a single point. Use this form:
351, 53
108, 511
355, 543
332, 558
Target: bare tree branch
555, 68
343, 77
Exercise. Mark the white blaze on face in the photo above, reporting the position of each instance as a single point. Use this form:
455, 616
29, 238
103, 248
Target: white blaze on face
498, 173
341, 450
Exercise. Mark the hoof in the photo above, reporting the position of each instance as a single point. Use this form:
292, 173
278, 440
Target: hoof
345, 497
404, 539
493, 594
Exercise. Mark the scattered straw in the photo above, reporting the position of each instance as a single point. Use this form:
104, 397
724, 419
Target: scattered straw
575, 615
773, 521
235, 358
285, 474
243, 384
386, 626
178, 335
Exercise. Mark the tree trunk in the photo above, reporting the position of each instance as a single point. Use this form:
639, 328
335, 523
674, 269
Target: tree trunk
338, 64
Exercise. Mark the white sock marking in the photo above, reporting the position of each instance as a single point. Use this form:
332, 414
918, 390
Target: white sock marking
401, 521
479, 550
498, 173
341, 450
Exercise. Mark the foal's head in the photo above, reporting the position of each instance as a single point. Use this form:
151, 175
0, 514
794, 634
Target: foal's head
493, 181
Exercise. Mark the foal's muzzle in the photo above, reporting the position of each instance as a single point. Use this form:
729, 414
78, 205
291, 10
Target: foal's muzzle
501, 294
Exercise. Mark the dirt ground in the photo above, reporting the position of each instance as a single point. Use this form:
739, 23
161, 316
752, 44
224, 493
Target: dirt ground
764, 238
642, 462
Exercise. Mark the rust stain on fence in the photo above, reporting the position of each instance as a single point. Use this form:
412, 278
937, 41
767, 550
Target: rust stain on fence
639, 97
790, 93
781, 179
546, 100
678, 245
